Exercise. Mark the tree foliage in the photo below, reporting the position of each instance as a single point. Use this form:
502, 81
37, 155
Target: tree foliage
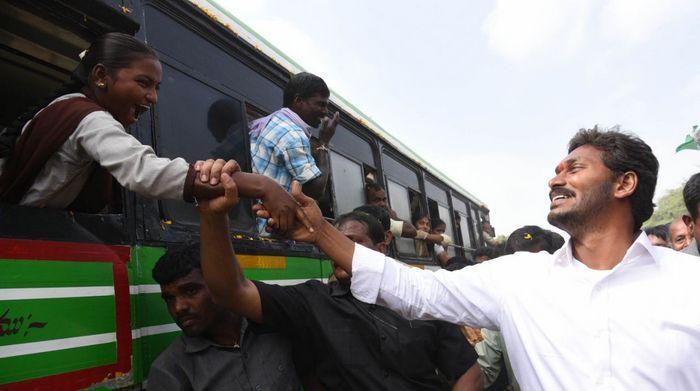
669, 207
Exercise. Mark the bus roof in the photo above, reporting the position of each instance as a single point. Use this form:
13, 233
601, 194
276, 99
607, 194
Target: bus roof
218, 13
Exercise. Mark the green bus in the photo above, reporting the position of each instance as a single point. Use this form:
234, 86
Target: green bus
78, 306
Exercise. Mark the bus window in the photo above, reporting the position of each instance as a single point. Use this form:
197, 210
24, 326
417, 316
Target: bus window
464, 230
348, 183
197, 121
476, 224
400, 201
252, 112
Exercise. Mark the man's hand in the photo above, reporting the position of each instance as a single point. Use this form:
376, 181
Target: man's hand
309, 219
281, 209
325, 134
221, 205
210, 170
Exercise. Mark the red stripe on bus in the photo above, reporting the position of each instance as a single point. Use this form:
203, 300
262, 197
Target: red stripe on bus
62, 251
83, 252
66, 381
122, 299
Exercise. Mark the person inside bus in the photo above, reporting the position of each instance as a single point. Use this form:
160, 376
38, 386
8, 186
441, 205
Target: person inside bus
354, 346
376, 195
422, 223
280, 143
217, 350
69, 151
438, 227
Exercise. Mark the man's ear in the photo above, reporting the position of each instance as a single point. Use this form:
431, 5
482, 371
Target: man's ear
381, 247
625, 185
688, 221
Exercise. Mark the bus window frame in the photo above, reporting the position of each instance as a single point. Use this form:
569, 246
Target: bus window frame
334, 199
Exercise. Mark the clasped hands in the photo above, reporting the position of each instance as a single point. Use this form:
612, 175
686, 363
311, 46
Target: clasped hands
296, 216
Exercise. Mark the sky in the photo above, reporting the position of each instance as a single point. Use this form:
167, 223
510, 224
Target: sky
490, 92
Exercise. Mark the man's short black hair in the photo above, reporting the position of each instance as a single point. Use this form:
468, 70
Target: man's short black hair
621, 153
373, 187
177, 262
304, 85
482, 251
378, 213
660, 231
436, 222
374, 227
457, 262
528, 238
556, 241
691, 195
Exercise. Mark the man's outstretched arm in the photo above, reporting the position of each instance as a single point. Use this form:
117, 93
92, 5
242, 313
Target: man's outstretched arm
412, 292
220, 267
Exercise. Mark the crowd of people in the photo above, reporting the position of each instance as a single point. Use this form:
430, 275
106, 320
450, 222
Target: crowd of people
608, 308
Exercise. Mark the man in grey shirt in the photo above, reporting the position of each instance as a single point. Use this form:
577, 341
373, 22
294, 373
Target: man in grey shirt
218, 349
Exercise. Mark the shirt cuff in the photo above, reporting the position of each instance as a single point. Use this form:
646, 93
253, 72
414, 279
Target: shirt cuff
367, 271
396, 227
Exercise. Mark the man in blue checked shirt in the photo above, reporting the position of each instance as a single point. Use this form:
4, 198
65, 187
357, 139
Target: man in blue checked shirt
280, 143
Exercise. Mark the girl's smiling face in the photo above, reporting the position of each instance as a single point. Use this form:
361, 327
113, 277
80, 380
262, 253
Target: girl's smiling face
131, 91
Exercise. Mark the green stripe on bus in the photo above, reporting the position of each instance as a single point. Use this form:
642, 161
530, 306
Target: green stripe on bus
63, 318
152, 311
42, 274
297, 268
32, 366
326, 268
145, 257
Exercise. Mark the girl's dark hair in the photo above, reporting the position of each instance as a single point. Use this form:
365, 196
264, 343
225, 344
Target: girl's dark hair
113, 50
418, 216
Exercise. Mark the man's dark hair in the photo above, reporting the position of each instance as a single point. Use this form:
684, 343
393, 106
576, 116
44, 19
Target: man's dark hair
457, 262
621, 153
436, 222
304, 85
660, 231
556, 241
483, 252
373, 187
378, 213
691, 195
177, 262
528, 238
374, 227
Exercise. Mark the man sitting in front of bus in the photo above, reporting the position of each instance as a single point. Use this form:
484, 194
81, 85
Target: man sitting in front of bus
354, 346
218, 349
280, 144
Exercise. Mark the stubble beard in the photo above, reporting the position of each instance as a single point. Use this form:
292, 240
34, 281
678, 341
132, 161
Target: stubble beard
584, 217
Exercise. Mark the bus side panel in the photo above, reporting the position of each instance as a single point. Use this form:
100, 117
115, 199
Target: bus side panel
64, 315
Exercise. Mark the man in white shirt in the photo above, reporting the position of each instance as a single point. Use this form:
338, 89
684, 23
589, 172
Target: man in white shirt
606, 311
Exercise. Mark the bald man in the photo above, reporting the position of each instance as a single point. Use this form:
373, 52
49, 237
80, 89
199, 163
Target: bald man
679, 234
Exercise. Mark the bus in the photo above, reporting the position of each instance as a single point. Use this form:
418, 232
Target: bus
78, 306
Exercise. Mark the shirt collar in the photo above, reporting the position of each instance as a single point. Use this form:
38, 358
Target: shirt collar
641, 247
338, 289
198, 344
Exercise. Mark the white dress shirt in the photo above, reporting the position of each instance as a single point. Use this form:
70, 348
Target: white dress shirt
566, 327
